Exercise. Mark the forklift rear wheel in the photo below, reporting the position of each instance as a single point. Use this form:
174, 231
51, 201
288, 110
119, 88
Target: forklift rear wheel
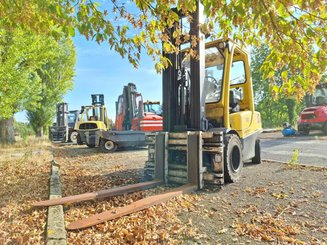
108, 145
73, 137
233, 162
257, 151
324, 129
304, 132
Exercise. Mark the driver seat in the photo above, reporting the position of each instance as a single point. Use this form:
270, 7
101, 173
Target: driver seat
234, 102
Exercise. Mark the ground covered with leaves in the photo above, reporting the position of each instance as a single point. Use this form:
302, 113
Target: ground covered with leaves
24, 175
272, 203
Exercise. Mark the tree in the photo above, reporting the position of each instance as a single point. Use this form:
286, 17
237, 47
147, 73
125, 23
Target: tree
19, 83
275, 110
56, 76
289, 28
26, 66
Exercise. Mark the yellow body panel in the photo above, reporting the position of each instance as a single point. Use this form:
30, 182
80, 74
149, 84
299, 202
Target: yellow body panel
245, 122
214, 111
100, 126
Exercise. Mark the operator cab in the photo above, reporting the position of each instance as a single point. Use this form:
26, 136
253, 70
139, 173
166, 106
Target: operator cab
227, 87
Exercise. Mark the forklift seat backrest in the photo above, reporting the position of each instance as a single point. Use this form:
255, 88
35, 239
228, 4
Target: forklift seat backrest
234, 102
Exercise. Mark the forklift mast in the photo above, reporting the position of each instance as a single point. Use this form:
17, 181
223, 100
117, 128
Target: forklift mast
98, 109
129, 97
62, 110
183, 84
97, 99
130, 105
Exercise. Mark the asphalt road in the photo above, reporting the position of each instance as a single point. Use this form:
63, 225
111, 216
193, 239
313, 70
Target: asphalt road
312, 149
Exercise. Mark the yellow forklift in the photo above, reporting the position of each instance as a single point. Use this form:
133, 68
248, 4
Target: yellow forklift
210, 125
94, 119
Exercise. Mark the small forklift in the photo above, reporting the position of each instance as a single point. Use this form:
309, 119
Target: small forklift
95, 119
65, 128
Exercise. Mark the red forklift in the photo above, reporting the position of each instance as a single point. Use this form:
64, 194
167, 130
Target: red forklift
134, 118
314, 116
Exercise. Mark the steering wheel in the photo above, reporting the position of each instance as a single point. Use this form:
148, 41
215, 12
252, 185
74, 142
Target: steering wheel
212, 89
214, 81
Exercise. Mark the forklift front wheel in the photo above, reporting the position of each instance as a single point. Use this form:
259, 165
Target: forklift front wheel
233, 163
73, 137
108, 145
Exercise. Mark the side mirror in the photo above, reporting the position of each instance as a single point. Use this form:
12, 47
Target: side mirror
140, 109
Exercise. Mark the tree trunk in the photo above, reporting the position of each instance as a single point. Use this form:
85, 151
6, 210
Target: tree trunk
39, 132
7, 133
290, 103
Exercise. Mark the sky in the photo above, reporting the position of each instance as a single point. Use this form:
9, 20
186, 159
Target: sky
102, 71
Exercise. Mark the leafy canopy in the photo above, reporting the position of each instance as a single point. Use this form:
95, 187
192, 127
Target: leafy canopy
34, 69
19, 82
274, 111
56, 75
290, 28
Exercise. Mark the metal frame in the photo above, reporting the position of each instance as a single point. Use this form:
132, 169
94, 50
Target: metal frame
194, 112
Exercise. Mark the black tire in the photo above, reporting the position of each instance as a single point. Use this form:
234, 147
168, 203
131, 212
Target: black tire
324, 129
257, 153
79, 140
90, 145
304, 132
233, 158
108, 145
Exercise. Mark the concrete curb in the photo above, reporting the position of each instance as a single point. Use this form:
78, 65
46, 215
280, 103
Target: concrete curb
55, 228
299, 164
270, 160
270, 130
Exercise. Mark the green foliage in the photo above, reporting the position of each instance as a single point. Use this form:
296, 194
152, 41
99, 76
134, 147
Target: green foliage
23, 130
56, 76
275, 110
19, 81
289, 28
294, 162
35, 69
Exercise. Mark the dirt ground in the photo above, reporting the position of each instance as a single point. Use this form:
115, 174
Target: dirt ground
272, 203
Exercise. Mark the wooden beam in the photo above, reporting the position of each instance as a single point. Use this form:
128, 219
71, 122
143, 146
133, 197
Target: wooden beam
99, 194
134, 207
